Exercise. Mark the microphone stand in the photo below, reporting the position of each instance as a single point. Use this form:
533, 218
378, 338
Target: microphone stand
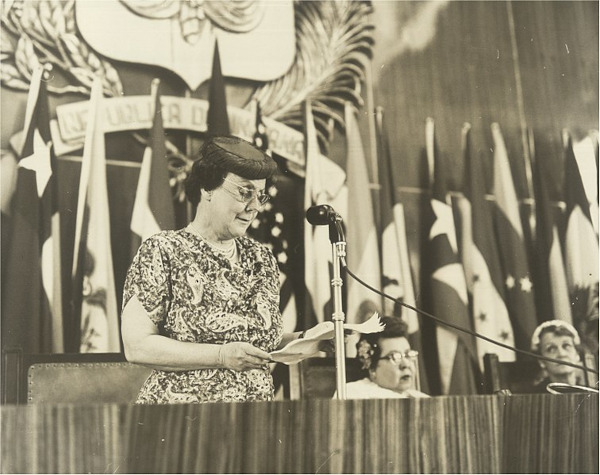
338, 244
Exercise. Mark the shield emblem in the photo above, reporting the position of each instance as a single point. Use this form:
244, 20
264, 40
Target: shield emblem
256, 38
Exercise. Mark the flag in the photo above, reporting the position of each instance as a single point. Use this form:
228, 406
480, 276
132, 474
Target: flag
94, 297
448, 298
518, 285
396, 277
581, 252
31, 281
317, 248
217, 118
153, 208
362, 247
552, 292
482, 263
273, 226
585, 152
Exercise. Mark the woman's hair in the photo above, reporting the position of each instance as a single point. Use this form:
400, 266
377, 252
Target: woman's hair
204, 175
367, 349
221, 155
557, 327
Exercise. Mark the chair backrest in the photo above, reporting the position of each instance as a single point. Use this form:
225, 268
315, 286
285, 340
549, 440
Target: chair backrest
83, 383
69, 378
520, 377
316, 377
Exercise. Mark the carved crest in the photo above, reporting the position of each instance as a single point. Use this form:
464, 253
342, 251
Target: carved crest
333, 43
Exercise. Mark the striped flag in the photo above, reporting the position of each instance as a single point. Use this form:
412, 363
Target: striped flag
31, 282
395, 265
581, 251
448, 298
552, 292
317, 248
217, 118
518, 284
362, 247
482, 266
153, 208
94, 297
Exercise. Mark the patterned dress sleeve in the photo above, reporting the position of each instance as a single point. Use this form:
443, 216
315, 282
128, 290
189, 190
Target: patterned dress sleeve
149, 279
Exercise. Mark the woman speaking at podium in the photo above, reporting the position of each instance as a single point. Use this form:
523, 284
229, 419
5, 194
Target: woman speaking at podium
201, 304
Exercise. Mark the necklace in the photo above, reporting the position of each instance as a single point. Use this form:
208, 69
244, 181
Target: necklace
229, 253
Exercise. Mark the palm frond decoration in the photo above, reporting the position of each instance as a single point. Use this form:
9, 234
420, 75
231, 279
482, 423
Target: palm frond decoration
334, 41
44, 32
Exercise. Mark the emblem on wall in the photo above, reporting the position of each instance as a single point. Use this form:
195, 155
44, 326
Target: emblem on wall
180, 35
288, 51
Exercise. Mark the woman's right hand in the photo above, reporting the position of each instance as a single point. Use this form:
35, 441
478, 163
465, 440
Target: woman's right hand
242, 356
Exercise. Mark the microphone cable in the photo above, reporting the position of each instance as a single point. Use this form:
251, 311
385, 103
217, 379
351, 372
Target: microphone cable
465, 330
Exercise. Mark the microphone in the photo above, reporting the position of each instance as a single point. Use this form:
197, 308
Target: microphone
319, 215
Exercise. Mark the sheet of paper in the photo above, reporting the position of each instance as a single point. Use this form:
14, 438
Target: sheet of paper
297, 350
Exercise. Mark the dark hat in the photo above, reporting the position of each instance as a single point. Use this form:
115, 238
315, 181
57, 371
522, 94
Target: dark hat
238, 156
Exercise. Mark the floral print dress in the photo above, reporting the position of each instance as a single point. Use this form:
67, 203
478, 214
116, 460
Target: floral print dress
194, 294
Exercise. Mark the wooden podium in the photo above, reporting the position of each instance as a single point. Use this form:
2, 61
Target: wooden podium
535, 433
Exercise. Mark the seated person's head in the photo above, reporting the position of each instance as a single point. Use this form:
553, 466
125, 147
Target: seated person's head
387, 356
560, 340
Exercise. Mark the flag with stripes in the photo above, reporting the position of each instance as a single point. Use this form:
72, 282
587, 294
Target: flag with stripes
31, 280
317, 249
518, 283
94, 297
482, 263
551, 281
396, 276
153, 208
448, 298
362, 247
581, 250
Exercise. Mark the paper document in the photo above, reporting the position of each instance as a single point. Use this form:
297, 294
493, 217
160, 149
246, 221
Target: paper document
297, 350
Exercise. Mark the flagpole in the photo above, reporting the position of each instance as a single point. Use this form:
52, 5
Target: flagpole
58, 345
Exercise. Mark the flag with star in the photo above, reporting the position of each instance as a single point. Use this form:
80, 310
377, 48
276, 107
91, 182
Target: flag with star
153, 208
275, 226
519, 292
31, 281
396, 276
482, 265
581, 250
448, 298
552, 292
94, 299
362, 247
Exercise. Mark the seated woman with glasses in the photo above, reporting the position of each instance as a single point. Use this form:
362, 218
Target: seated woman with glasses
559, 340
390, 363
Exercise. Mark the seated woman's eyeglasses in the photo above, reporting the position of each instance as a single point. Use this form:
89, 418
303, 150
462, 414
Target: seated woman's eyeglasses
397, 358
247, 195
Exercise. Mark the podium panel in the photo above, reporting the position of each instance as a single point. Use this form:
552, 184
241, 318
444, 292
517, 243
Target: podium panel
462, 434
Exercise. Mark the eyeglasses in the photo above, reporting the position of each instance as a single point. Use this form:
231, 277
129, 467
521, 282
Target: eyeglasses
397, 358
247, 195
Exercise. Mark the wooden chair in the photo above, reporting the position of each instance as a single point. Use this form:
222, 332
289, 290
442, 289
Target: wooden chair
519, 377
316, 377
94, 378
